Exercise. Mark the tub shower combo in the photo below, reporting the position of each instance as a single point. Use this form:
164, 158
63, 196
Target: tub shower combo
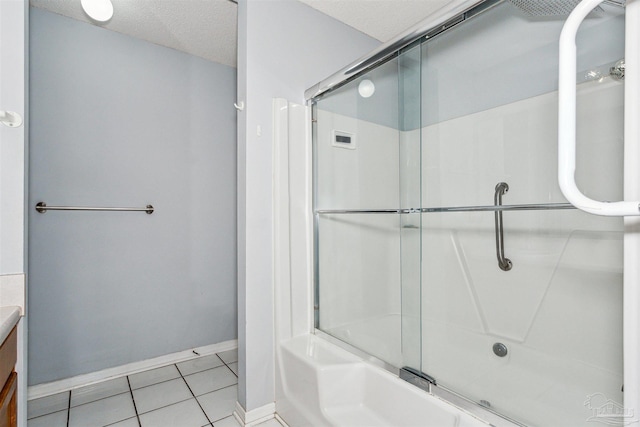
450, 244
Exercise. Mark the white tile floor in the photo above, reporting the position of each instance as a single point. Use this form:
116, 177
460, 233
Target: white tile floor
196, 393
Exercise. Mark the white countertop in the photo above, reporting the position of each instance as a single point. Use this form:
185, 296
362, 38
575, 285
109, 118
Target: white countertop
9, 317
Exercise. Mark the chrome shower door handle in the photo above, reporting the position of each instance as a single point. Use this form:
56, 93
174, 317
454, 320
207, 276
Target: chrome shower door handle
567, 122
504, 263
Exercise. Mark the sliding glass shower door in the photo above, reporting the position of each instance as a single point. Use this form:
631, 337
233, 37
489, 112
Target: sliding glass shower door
522, 308
367, 171
443, 242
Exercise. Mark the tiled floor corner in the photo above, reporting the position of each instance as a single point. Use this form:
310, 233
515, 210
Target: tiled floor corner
195, 393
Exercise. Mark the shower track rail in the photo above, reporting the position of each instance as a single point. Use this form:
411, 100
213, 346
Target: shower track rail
487, 208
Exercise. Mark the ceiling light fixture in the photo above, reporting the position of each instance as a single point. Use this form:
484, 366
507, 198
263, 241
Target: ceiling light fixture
366, 88
98, 10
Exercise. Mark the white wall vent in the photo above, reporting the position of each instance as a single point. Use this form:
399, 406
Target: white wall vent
343, 139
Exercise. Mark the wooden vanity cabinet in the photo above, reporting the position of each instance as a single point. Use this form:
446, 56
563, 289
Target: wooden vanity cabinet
9, 377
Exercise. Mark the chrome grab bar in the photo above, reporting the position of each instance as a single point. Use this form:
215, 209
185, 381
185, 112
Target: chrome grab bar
489, 208
505, 264
42, 208
495, 208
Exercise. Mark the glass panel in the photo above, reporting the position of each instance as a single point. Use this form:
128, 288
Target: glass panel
359, 282
410, 198
356, 145
441, 126
540, 343
368, 264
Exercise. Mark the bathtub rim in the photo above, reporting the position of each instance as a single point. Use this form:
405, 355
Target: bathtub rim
442, 393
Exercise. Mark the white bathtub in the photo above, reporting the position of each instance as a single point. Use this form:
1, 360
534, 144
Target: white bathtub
324, 385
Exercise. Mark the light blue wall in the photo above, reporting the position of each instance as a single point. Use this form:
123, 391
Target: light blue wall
116, 121
284, 47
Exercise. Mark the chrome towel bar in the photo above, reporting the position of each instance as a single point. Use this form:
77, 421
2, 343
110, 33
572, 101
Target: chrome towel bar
42, 208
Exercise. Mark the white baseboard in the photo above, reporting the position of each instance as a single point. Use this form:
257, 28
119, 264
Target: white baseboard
255, 416
46, 389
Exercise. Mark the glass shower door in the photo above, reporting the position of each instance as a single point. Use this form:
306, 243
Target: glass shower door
521, 304
367, 188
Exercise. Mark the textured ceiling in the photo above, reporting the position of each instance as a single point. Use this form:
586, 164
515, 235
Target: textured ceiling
380, 19
207, 28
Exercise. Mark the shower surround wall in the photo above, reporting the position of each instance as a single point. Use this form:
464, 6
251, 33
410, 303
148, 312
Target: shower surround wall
481, 120
566, 278
117, 121
565, 287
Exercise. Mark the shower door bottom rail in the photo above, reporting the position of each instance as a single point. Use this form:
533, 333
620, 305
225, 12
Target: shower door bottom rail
487, 208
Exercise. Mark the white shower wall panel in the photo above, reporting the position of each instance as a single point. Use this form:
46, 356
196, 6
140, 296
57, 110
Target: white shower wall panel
359, 255
361, 278
558, 310
464, 158
365, 177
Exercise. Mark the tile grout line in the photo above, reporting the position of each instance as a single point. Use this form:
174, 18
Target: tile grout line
226, 416
150, 385
98, 399
166, 381
223, 418
69, 409
194, 395
225, 364
133, 399
168, 405
181, 375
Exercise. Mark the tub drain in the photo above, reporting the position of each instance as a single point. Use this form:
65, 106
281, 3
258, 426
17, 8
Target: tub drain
500, 349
